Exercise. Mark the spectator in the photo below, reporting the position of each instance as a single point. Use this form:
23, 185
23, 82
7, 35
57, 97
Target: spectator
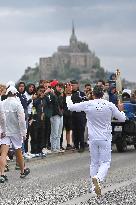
112, 80
22, 97
15, 130
101, 83
38, 124
2, 91
67, 116
106, 91
78, 118
56, 118
113, 95
128, 106
88, 91
3, 95
30, 95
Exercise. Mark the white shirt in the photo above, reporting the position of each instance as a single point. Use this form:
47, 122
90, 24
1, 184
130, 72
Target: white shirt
15, 117
105, 96
2, 119
99, 113
29, 97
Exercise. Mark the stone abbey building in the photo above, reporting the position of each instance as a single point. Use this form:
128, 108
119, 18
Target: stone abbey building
75, 57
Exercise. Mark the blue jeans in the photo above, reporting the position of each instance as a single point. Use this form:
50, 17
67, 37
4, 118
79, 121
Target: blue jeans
56, 131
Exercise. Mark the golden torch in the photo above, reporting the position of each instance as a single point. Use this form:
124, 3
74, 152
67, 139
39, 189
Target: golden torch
119, 85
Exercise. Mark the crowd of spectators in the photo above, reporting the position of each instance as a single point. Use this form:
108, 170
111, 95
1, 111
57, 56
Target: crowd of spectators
47, 115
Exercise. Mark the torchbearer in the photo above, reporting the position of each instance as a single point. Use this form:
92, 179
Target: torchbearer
99, 113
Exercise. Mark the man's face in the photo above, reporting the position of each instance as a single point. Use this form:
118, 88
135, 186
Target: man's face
113, 77
59, 88
46, 85
106, 87
100, 84
21, 88
75, 87
113, 90
88, 88
31, 88
68, 88
41, 92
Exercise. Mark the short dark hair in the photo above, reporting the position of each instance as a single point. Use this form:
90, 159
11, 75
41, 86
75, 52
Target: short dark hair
87, 84
60, 84
40, 87
98, 91
10, 94
102, 81
125, 96
74, 82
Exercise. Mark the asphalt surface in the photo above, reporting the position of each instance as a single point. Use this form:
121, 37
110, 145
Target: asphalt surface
64, 179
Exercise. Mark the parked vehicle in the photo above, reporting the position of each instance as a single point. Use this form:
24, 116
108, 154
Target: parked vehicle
123, 134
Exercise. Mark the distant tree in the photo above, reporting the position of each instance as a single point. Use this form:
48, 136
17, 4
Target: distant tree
31, 74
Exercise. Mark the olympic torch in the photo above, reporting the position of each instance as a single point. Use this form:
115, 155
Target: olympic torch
119, 85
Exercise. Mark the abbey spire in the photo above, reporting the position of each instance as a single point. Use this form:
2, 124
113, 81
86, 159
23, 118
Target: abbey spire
73, 38
73, 29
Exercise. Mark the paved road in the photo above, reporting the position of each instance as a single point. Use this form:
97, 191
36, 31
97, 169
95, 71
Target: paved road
64, 179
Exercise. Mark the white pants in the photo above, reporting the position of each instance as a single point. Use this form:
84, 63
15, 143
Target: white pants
100, 151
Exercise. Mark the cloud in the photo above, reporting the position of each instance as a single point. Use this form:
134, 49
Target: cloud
34, 28
126, 66
47, 16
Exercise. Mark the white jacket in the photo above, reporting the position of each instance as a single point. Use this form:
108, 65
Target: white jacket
2, 119
15, 117
99, 113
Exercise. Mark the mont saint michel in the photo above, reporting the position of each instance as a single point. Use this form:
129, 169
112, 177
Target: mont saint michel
73, 61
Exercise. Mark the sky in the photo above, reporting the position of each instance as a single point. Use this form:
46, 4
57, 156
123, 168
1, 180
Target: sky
31, 29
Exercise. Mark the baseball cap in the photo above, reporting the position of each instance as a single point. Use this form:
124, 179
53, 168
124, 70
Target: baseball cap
11, 89
54, 83
128, 91
10, 83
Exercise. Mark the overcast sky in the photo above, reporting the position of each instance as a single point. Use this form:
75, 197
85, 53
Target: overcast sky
30, 29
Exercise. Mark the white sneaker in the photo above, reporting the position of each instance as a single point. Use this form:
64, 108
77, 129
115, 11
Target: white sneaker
38, 155
97, 187
61, 151
7, 158
46, 151
43, 155
55, 151
31, 155
26, 156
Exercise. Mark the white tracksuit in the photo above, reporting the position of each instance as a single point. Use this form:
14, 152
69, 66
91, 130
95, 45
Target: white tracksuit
99, 113
15, 122
2, 119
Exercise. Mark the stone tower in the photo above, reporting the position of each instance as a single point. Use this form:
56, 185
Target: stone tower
75, 56
73, 41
